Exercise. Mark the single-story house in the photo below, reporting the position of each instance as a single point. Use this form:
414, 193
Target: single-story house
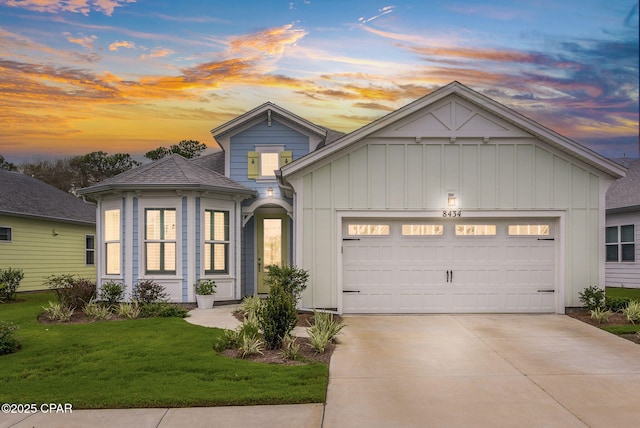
44, 231
622, 236
453, 203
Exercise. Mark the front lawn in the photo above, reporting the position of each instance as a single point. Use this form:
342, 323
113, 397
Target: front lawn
155, 362
631, 293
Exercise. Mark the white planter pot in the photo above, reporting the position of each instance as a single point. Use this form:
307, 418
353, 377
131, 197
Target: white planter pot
205, 301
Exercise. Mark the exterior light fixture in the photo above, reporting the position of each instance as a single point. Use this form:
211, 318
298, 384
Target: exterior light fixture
452, 201
269, 192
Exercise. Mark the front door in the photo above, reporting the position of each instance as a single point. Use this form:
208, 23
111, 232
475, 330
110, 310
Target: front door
272, 244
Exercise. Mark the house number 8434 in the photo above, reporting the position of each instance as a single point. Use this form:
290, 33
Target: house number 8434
446, 213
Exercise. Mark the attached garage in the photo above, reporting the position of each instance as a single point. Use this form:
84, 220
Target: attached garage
451, 204
432, 266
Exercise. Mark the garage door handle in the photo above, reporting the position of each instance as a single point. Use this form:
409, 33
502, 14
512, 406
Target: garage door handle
546, 239
547, 291
449, 276
350, 291
350, 239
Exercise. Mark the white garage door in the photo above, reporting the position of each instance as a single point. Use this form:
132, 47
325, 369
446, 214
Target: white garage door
403, 266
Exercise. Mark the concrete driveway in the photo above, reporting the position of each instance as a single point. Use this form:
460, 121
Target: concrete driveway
481, 371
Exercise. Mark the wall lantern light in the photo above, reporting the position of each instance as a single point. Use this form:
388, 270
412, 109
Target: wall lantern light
452, 201
269, 192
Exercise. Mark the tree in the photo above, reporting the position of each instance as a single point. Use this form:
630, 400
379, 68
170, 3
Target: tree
95, 167
6, 165
79, 171
186, 148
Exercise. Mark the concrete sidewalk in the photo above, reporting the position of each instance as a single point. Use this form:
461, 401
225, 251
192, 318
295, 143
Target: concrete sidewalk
293, 416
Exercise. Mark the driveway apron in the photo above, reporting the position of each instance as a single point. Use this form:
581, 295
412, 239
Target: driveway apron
481, 371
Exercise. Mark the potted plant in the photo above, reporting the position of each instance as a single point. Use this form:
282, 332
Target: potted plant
205, 290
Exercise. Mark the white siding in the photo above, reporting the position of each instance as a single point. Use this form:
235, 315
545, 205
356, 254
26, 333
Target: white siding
625, 274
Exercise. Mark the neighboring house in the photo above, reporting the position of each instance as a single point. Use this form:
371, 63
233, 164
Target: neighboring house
623, 230
453, 203
44, 231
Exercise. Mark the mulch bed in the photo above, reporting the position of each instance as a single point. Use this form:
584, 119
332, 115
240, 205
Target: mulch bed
307, 353
616, 319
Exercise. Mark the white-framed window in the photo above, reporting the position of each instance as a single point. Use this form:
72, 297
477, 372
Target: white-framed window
112, 241
368, 230
160, 240
5, 234
475, 229
265, 160
90, 250
422, 229
216, 242
528, 230
620, 242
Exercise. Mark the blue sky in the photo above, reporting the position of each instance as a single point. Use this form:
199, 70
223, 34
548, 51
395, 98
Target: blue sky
131, 75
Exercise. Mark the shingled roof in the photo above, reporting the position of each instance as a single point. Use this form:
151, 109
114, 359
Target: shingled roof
214, 161
170, 172
624, 193
25, 196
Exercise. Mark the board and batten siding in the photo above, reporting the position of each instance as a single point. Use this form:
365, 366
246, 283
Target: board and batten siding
401, 175
42, 248
624, 274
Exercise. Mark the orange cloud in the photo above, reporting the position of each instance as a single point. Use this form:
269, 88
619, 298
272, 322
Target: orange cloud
86, 42
157, 53
270, 42
76, 6
121, 44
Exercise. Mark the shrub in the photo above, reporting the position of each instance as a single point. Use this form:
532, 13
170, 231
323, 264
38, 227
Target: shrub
632, 311
94, 310
58, 312
616, 304
9, 343
323, 330
147, 291
278, 316
162, 309
250, 345
290, 348
251, 306
128, 310
293, 279
111, 293
9, 282
71, 291
601, 315
592, 297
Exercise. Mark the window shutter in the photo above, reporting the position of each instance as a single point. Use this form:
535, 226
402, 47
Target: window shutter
253, 164
286, 157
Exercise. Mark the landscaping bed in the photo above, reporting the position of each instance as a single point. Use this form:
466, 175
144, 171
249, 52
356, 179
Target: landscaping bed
616, 324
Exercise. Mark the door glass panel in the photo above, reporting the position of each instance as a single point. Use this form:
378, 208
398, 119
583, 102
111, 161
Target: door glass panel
475, 229
422, 229
368, 229
529, 229
272, 246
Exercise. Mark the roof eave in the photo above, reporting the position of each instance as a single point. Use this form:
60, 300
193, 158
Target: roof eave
112, 188
47, 218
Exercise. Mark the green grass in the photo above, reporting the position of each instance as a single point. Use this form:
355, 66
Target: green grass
156, 362
622, 329
632, 293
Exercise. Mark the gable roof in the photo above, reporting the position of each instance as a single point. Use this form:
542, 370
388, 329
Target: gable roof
528, 125
270, 109
170, 172
25, 196
624, 193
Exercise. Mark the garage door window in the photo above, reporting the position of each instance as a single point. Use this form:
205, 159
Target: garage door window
529, 230
475, 229
368, 229
422, 229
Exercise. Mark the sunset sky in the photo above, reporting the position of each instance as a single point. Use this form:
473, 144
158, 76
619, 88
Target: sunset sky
78, 76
